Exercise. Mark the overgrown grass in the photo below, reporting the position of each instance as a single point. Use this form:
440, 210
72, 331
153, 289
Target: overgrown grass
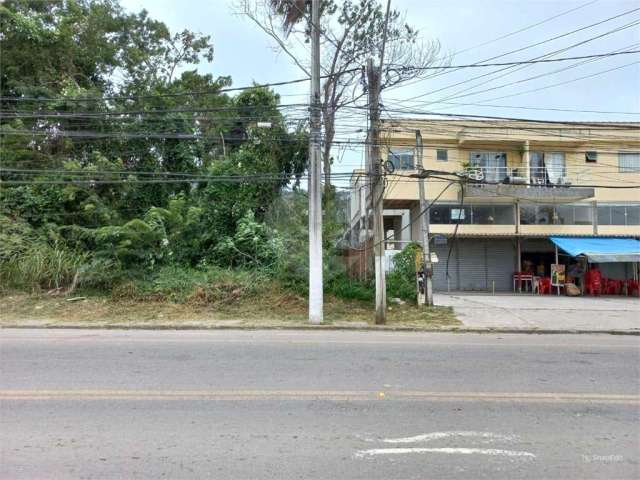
41, 266
193, 285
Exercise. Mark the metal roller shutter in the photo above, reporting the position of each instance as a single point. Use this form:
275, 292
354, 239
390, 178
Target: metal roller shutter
501, 258
472, 267
439, 269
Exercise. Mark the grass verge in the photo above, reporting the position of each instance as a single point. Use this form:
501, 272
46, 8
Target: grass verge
269, 307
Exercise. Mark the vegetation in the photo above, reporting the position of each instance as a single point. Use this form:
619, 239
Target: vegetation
352, 32
117, 180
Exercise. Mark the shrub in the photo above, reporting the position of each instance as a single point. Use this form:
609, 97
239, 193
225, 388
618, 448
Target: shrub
205, 284
344, 287
254, 245
401, 282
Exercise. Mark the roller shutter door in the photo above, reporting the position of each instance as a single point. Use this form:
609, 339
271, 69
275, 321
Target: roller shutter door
474, 264
501, 263
439, 269
472, 267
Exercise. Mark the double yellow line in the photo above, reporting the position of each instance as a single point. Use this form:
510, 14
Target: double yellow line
306, 395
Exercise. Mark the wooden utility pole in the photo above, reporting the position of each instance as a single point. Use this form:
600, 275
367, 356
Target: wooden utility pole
377, 190
315, 195
426, 297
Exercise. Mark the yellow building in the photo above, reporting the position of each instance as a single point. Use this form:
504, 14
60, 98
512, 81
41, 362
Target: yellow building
526, 181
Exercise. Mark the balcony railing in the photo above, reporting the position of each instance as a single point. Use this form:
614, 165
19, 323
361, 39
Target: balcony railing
535, 176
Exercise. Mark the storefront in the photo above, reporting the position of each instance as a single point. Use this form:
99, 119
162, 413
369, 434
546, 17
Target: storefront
605, 265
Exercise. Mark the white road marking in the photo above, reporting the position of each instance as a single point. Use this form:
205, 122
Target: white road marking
447, 450
427, 437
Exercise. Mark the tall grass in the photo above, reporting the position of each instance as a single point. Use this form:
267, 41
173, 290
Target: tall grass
41, 266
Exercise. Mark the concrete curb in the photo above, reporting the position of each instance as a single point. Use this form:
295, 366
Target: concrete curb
370, 328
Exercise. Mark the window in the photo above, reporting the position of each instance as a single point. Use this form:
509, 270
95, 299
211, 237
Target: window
591, 157
555, 167
604, 215
473, 214
493, 214
628, 162
401, 159
450, 214
547, 168
583, 215
573, 215
493, 165
557, 214
619, 214
442, 155
633, 214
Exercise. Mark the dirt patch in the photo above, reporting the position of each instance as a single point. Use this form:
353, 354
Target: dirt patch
274, 308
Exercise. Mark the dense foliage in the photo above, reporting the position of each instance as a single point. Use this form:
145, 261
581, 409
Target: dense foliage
126, 170
110, 142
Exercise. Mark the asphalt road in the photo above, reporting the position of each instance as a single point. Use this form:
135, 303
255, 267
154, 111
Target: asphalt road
317, 405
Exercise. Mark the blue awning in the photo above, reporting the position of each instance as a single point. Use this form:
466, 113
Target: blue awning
601, 249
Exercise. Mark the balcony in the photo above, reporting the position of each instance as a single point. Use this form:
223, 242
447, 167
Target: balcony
551, 185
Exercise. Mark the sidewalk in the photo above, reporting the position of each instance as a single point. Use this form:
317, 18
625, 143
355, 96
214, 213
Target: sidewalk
544, 312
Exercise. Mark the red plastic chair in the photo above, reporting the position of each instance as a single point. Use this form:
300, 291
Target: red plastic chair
544, 285
611, 286
633, 287
593, 282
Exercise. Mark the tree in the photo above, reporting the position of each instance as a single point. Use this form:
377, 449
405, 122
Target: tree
352, 31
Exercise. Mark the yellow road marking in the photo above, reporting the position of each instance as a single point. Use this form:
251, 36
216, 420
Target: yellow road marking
344, 395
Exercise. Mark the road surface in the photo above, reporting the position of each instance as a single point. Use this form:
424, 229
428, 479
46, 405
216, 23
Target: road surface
317, 405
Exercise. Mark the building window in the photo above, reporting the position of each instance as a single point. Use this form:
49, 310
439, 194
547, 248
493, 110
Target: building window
556, 214
492, 164
629, 162
536, 214
472, 214
619, 214
591, 157
401, 159
547, 168
442, 155
493, 214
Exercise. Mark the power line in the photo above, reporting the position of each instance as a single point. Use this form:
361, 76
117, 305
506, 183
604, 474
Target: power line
552, 109
461, 94
526, 47
540, 57
525, 62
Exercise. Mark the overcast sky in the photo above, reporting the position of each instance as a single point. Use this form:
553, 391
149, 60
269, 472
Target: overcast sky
246, 54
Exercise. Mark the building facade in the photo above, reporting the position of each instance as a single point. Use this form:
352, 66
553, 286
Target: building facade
526, 181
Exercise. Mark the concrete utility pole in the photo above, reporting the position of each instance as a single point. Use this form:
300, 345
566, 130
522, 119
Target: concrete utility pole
377, 190
375, 174
427, 266
315, 196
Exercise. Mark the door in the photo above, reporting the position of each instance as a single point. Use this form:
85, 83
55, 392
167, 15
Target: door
501, 263
472, 267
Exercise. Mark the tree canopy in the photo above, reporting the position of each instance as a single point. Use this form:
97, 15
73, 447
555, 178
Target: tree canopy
111, 137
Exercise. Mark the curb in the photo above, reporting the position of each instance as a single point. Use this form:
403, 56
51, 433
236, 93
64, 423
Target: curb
531, 331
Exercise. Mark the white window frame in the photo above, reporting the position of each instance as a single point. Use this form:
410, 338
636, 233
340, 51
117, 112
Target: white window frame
634, 157
396, 155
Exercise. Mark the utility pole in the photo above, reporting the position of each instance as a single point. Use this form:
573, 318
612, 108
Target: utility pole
427, 266
377, 190
315, 196
375, 174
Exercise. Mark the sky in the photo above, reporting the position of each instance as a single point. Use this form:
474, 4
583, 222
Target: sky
469, 27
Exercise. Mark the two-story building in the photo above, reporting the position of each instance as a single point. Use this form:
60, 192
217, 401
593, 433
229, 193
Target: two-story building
530, 181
